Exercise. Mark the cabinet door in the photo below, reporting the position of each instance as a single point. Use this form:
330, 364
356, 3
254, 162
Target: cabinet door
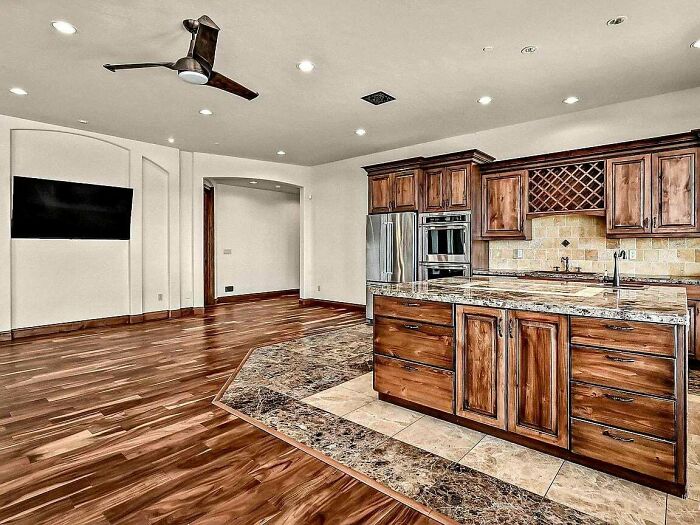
380, 193
538, 366
433, 186
481, 365
503, 204
457, 188
628, 195
405, 191
674, 192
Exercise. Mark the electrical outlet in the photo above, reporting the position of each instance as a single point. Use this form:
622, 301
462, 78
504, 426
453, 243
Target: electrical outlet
518, 253
632, 254
318, 288
160, 296
228, 288
227, 251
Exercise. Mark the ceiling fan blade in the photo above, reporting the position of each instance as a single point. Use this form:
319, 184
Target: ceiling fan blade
204, 43
219, 81
115, 67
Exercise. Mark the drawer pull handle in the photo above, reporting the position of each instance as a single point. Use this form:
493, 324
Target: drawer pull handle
499, 327
617, 438
412, 326
619, 398
619, 328
411, 304
619, 359
410, 368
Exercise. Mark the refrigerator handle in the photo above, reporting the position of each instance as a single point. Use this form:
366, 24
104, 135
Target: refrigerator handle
389, 247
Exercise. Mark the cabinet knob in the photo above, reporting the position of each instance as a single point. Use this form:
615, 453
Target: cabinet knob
645, 222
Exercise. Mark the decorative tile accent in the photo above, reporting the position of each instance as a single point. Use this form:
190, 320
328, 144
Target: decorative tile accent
440, 437
521, 466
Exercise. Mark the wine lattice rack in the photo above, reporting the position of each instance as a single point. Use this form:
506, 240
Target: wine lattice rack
572, 188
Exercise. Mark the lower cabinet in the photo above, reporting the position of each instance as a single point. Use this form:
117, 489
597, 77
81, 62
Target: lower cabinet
535, 380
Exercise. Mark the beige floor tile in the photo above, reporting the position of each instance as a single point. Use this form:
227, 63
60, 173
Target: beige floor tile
694, 467
440, 437
524, 467
606, 497
682, 511
694, 415
338, 400
362, 384
383, 417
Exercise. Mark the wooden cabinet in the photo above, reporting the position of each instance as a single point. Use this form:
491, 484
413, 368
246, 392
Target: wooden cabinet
446, 189
537, 376
653, 194
504, 204
481, 365
393, 192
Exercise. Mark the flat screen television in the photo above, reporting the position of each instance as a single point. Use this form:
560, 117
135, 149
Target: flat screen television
54, 209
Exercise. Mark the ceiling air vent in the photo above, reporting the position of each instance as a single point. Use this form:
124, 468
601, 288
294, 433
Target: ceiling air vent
378, 98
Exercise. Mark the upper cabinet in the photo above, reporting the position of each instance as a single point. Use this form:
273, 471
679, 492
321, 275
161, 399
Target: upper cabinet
653, 194
504, 202
441, 183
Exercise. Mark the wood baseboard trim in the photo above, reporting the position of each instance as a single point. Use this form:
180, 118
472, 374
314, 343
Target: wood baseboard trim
103, 322
335, 304
244, 298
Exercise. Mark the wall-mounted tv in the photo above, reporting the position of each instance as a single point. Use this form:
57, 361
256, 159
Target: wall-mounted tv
54, 209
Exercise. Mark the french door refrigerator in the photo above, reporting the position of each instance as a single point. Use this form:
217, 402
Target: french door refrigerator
391, 250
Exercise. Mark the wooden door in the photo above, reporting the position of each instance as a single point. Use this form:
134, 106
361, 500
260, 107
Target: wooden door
405, 188
628, 195
481, 365
433, 190
538, 363
503, 197
675, 181
209, 248
457, 188
380, 193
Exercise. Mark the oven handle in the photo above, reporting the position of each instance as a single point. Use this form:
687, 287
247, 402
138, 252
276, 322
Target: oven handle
451, 226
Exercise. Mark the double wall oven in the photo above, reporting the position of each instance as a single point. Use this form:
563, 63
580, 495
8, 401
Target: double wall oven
444, 244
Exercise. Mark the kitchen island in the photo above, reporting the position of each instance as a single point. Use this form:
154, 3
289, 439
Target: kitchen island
583, 371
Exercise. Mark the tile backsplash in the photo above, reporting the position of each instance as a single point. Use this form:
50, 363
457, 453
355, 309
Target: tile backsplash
590, 250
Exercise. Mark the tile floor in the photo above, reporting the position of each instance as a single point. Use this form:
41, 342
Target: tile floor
600, 495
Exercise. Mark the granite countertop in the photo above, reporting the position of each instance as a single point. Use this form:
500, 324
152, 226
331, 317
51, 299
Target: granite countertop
588, 276
658, 304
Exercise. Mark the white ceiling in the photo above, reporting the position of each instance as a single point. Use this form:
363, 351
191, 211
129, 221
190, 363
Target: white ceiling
428, 54
258, 184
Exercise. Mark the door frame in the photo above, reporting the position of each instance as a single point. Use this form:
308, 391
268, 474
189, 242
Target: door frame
209, 247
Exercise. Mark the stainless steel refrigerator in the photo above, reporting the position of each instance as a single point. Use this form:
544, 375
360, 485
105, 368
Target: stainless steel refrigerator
392, 250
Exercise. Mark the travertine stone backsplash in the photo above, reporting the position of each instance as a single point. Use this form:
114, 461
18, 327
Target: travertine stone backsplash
590, 250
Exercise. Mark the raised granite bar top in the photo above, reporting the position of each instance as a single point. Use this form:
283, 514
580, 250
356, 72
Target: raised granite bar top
592, 276
657, 304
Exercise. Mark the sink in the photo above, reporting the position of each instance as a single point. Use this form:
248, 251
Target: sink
560, 273
624, 286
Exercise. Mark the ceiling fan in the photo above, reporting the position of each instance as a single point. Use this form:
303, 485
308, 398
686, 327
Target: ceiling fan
197, 66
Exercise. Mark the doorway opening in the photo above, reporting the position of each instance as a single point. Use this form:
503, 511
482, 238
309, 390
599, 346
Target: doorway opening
209, 248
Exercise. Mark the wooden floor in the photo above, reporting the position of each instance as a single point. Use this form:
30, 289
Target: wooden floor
117, 426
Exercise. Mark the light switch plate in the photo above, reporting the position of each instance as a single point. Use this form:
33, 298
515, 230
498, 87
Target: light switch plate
227, 251
518, 253
632, 255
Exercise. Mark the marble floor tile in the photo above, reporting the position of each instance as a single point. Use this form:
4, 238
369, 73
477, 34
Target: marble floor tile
440, 437
606, 497
682, 511
694, 415
523, 467
362, 384
338, 400
694, 467
383, 417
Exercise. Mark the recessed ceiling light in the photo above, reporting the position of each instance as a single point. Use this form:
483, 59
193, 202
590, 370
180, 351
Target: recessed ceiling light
696, 44
18, 91
205, 111
281, 152
171, 140
277, 186
217, 143
360, 131
306, 66
616, 21
528, 50
252, 182
570, 100
487, 49
83, 121
485, 100
64, 27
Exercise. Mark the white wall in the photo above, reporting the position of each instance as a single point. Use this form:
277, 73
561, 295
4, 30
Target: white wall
54, 281
261, 228
340, 188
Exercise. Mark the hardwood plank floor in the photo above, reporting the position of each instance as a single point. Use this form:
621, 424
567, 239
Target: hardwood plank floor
116, 425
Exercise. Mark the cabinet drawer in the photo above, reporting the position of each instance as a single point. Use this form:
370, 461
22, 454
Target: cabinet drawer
647, 338
425, 385
624, 370
647, 415
426, 343
414, 310
642, 454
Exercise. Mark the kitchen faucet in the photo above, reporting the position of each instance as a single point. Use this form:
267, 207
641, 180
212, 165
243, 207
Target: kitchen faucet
565, 262
620, 254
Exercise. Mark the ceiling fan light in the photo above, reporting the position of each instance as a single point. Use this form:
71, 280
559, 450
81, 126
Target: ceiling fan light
193, 77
